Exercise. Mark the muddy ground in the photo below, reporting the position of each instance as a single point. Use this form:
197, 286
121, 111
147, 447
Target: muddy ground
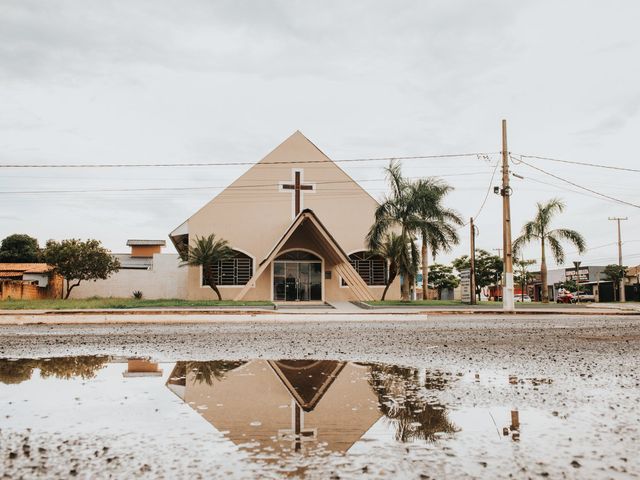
582, 370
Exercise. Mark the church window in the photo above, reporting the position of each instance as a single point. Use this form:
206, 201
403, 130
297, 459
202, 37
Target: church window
371, 267
235, 271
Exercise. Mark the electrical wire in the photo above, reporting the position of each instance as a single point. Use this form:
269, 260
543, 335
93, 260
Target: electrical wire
495, 169
585, 164
478, 155
569, 182
210, 187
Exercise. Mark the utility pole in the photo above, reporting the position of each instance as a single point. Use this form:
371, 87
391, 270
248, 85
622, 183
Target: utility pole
508, 300
621, 286
472, 261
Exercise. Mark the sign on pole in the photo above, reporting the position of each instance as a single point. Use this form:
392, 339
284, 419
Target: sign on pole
465, 285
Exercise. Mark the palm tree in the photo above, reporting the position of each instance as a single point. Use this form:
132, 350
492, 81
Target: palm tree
206, 252
439, 233
391, 250
398, 213
539, 229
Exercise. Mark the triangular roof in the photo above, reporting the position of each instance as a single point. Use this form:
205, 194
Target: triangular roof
269, 159
307, 380
323, 237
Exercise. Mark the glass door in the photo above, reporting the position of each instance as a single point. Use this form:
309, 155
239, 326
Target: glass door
297, 281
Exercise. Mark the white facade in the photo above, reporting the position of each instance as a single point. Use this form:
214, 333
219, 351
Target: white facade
165, 279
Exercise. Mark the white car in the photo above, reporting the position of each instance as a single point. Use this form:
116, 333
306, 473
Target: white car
522, 298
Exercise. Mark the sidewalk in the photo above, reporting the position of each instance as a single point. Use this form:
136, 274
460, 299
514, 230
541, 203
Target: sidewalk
339, 311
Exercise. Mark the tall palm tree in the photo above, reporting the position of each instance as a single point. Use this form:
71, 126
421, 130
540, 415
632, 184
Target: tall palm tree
391, 250
438, 232
206, 252
539, 229
398, 213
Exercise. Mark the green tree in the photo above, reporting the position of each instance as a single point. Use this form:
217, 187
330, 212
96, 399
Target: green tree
76, 261
399, 213
438, 231
442, 277
202, 372
539, 229
615, 273
488, 268
19, 248
391, 249
522, 275
402, 399
206, 252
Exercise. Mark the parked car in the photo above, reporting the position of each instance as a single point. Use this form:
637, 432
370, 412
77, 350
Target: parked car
522, 298
564, 297
583, 297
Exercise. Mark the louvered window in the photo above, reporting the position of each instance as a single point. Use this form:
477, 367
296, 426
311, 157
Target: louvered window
233, 271
372, 268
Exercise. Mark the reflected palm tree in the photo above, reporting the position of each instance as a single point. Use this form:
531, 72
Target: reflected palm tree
401, 399
204, 372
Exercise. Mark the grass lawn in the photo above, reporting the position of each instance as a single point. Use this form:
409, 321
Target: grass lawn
77, 304
458, 303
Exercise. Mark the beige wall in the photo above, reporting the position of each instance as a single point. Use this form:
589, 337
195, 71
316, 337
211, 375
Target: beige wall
253, 213
251, 402
165, 280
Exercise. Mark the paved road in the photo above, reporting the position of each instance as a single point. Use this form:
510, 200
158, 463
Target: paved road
440, 339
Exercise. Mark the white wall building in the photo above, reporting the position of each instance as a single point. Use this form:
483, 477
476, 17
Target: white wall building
145, 269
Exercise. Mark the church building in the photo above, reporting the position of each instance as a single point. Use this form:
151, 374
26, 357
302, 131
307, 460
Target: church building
297, 224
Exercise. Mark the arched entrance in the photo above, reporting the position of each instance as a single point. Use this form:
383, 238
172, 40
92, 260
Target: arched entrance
297, 277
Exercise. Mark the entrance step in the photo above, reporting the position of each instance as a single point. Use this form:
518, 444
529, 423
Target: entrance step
302, 306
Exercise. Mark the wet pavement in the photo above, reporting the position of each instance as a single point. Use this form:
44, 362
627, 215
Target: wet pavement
450, 398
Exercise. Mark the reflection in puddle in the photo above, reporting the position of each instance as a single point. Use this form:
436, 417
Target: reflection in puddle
277, 408
270, 418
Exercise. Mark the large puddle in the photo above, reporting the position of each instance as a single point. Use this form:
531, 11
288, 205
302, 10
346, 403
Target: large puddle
95, 417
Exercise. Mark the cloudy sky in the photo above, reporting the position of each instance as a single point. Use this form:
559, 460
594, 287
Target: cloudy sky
224, 81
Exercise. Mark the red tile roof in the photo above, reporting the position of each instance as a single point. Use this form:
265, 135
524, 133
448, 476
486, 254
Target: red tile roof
26, 267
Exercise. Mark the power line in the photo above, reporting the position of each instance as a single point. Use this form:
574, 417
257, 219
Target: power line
478, 155
495, 169
209, 187
578, 192
586, 164
575, 184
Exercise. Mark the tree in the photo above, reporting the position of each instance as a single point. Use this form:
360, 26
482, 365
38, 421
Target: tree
442, 277
522, 275
438, 231
19, 248
399, 213
615, 273
76, 261
391, 250
206, 252
415, 415
539, 229
488, 268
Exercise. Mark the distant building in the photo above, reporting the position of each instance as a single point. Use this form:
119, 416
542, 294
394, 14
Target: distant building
591, 279
29, 281
146, 269
141, 367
